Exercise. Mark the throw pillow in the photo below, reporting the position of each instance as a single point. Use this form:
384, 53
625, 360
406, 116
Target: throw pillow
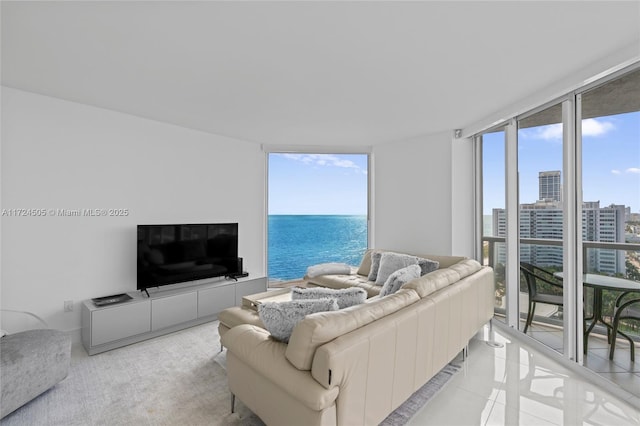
391, 262
375, 265
400, 278
427, 265
333, 268
279, 318
344, 297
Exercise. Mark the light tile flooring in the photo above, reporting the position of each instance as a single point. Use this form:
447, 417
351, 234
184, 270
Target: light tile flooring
620, 370
515, 384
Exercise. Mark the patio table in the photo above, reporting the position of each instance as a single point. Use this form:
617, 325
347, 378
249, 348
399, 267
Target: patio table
600, 283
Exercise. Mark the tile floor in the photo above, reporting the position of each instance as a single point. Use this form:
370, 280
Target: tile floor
620, 370
515, 384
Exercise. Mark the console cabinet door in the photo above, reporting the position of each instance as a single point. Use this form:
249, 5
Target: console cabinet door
213, 300
172, 310
119, 322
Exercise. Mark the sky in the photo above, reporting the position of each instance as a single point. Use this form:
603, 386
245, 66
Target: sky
337, 183
610, 161
319, 184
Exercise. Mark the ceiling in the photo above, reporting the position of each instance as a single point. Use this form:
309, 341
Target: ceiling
307, 73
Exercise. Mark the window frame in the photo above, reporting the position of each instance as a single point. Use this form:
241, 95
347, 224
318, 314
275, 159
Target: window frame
572, 212
314, 149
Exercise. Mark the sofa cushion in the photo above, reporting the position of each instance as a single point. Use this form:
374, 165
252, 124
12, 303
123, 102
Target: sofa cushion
346, 281
466, 267
365, 264
433, 281
328, 268
426, 265
391, 262
345, 297
237, 315
317, 329
443, 261
400, 278
280, 318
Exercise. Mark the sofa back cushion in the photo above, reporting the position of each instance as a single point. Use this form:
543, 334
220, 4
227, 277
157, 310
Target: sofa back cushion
317, 329
466, 267
445, 261
365, 265
436, 280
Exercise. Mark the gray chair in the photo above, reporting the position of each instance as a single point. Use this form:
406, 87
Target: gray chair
624, 310
535, 278
31, 362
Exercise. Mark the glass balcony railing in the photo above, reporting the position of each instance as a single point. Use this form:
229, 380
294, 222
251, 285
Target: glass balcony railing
611, 259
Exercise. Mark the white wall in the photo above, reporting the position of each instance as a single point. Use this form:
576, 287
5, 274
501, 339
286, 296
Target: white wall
63, 155
462, 197
413, 195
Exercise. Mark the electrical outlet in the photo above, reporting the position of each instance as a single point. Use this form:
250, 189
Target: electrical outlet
68, 305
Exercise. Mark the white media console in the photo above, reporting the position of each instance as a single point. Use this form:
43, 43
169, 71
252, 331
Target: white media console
165, 311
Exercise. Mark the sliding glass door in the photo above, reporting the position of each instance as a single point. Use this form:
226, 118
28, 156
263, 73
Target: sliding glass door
493, 217
610, 131
540, 217
571, 216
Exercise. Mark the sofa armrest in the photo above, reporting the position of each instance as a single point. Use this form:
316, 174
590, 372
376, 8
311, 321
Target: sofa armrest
254, 347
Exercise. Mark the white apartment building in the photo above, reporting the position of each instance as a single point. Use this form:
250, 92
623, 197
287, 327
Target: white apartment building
543, 220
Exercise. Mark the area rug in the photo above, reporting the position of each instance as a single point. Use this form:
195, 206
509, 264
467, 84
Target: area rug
411, 406
177, 379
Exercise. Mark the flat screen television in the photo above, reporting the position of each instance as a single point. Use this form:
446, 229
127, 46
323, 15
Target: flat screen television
171, 254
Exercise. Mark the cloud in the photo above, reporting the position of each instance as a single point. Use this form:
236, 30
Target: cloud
591, 127
552, 131
594, 127
632, 170
324, 160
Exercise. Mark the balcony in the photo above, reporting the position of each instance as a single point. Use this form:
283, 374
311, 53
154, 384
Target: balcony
547, 326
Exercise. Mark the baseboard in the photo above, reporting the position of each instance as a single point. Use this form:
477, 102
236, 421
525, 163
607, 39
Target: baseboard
76, 335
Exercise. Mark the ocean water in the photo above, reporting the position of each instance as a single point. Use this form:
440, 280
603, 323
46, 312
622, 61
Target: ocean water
299, 241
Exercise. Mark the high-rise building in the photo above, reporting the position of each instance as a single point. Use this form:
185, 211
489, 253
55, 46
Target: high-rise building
549, 186
604, 224
543, 220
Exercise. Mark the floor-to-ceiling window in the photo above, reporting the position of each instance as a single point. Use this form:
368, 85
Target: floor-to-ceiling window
317, 211
540, 224
610, 132
493, 208
578, 218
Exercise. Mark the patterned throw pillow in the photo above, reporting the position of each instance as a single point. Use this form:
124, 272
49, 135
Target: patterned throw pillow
344, 297
391, 262
400, 278
427, 265
375, 265
279, 318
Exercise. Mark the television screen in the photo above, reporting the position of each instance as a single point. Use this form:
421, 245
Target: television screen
169, 254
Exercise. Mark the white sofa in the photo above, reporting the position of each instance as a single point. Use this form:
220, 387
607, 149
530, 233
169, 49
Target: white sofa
356, 365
